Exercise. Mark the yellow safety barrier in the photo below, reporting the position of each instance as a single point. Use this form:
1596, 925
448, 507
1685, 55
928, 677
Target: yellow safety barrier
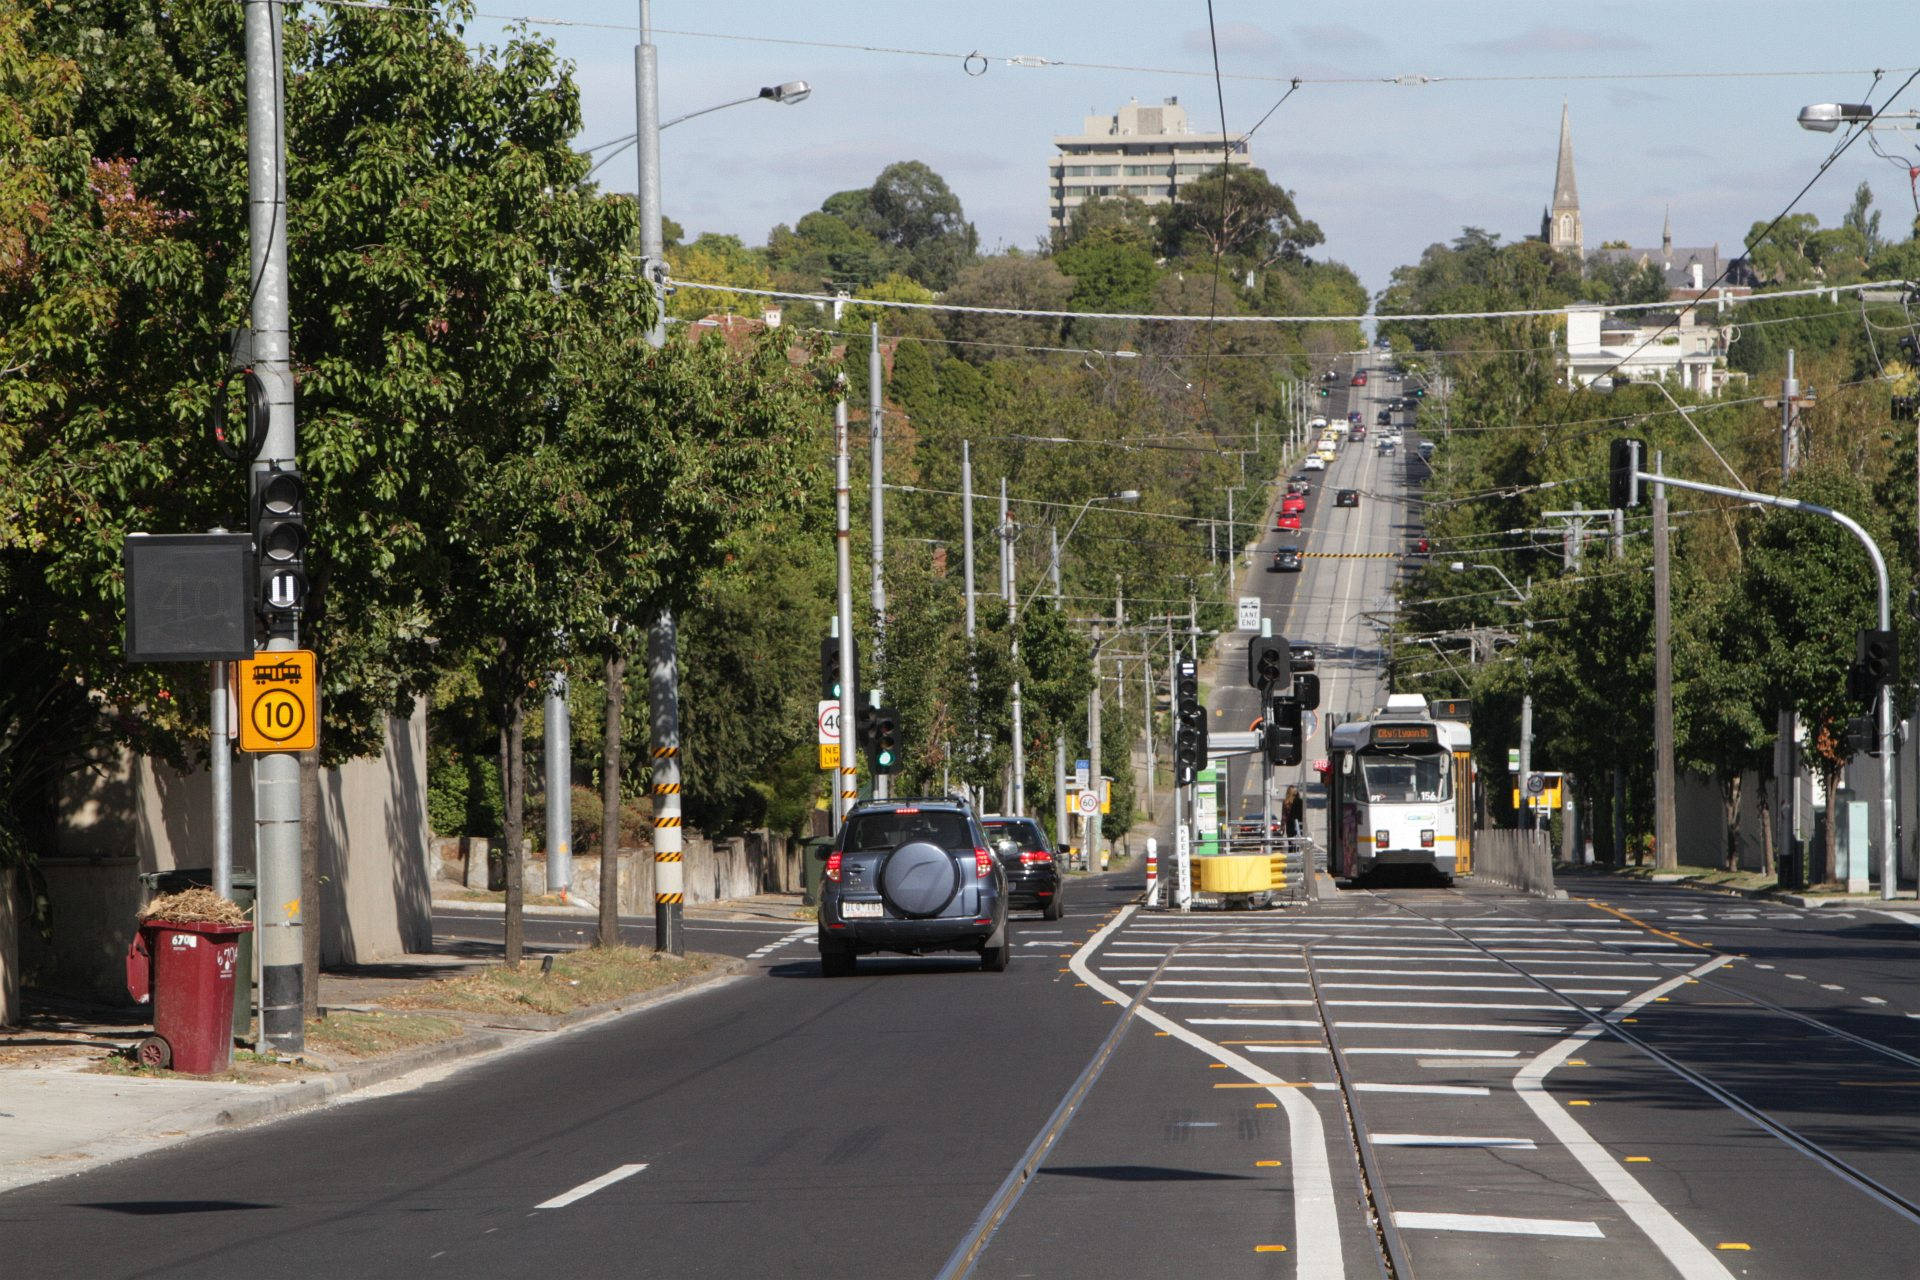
1239, 873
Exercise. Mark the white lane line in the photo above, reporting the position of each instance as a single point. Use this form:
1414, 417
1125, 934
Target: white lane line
1692, 1259
1436, 1053
1263, 1022
1201, 968
778, 943
586, 1189
1445, 1004
1407, 973
1499, 1028
1318, 1252
1482, 990
1447, 1140
1904, 917
1208, 982
1446, 1090
1235, 1000
1871, 1000
1289, 1048
1491, 1225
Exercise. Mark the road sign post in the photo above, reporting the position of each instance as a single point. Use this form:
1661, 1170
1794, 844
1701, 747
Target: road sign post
827, 735
279, 701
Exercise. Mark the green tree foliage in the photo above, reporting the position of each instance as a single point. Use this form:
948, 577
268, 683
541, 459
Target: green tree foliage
1238, 214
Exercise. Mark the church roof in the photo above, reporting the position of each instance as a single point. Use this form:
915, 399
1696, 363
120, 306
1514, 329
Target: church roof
1565, 194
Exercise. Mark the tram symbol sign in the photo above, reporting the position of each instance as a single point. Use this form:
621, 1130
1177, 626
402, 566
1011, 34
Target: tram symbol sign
279, 701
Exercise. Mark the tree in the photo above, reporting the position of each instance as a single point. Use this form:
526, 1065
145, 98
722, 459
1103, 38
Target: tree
1012, 281
716, 259
1237, 213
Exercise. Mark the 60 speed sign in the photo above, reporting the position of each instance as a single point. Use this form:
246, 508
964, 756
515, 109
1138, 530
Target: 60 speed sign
279, 701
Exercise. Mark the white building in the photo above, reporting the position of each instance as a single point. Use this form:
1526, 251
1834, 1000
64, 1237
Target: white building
1639, 347
1148, 153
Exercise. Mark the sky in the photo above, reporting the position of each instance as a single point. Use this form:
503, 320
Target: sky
1386, 167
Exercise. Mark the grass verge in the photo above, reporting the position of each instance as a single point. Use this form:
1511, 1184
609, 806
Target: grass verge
577, 980
365, 1035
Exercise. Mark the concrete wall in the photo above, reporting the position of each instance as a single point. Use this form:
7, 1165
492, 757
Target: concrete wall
738, 867
140, 815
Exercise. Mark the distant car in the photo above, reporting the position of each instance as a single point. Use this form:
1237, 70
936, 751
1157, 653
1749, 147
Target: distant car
1394, 375
1355, 418
1358, 432
1425, 448
1303, 657
912, 876
1331, 375
1316, 423
1360, 379
1033, 875
1288, 520
1386, 444
1299, 486
1293, 504
1347, 498
1326, 454
1314, 462
1421, 546
1384, 418
1285, 560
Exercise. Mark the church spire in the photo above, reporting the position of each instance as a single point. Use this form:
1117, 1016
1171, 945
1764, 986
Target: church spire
1563, 219
1666, 234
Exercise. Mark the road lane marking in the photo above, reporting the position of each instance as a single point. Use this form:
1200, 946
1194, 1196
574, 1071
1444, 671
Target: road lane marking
1678, 1245
1492, 1225
1422, 986
796, 936
1233, 1000
1435, 1053
1207, 982
1443, 1004
1255, 1022
1499, 1028
1319, 1250
1441, 1090
586, 1189
1447, 1140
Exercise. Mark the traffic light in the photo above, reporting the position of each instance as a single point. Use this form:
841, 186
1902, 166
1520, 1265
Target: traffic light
1190, 723
1324, 392
1860, 738
1269, 662
1419, 393
280, 542
1282, 732
1623, 466
1306, 690
830, 668
883, 744
863, 718
1878, 655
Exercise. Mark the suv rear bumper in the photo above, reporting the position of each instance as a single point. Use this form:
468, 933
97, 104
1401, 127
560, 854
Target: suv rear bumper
909, 935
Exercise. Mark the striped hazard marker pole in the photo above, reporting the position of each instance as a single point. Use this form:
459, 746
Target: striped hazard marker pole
1153, 869
669, 879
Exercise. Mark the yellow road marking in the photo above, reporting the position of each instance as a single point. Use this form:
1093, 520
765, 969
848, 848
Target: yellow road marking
1635, 920
1217, 1066
1265, 1106
1580, 1102
1163, 1033
1576, 1062
1269, 1248
1734, 1246
1266, 1164
1639, 1159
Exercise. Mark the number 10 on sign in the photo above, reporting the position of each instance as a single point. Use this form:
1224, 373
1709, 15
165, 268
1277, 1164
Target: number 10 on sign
279, 701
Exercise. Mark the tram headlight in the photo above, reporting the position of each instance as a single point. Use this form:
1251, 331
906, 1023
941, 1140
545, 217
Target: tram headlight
1380, 838
1426, 839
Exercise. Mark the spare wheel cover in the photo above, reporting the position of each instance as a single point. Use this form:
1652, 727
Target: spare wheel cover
919, 879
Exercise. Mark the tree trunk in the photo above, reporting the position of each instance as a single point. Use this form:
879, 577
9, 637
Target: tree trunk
1730, 795
1830, 844
1769, 799
609, 935
1600, 820
513, 782
311, 913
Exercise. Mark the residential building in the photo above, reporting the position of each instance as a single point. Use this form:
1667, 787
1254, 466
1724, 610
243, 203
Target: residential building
1148, 153
1642, 347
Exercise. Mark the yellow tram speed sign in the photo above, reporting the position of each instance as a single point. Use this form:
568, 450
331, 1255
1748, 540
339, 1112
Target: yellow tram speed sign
279, 701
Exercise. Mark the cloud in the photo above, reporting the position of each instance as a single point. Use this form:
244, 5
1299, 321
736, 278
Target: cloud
1545, 39
1238, 38
1338, 36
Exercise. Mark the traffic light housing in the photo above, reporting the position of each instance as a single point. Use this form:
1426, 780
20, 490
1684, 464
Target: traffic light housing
1623, 482
1859, 737
830, 668
883, 744
1306, 690
1281, 733
1878, 655
1269, 662
1190, 722
279, 501
863, 721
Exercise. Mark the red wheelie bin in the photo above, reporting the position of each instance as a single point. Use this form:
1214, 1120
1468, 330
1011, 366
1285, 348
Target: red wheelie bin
187, 969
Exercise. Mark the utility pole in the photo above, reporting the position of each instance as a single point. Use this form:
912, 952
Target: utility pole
1526, 759
1019, 789
1786, 768
882, 783
663, 650
1665, 820
1060, 731
279, 919
966, 528
559, 762
1093, 756
849, 776
1146, 707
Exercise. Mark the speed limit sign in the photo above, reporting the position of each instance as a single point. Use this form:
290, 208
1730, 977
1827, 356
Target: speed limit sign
1088, 803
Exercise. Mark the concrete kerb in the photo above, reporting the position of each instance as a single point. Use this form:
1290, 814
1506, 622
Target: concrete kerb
1792, 899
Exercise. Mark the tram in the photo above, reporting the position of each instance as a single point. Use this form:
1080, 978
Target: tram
1400, 790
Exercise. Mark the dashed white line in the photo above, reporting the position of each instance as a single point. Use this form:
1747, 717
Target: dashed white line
777, 943
586, 1189
1498, 1226
1447, 1140
1448, 1090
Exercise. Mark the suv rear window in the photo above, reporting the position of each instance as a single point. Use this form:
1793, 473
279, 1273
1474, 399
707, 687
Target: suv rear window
1025, 834
883, 830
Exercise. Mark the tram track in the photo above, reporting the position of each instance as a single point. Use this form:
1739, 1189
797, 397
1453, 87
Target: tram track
1609, 1024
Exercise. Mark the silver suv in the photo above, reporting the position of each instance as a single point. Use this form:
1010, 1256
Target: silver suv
912, 876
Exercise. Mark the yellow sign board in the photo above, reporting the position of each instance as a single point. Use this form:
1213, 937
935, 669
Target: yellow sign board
279, 699
829, 755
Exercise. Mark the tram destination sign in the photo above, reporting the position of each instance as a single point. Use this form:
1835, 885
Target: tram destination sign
1404, 735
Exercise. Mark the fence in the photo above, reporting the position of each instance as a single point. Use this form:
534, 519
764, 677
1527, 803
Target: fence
1510, 856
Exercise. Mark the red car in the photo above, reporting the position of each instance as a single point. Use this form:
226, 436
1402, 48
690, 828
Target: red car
1293, 504
1289, 520
1360, 379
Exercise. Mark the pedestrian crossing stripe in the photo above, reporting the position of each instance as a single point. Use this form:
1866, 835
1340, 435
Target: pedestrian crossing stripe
1350, 555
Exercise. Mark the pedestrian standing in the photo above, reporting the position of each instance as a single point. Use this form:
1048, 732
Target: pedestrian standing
1293, 814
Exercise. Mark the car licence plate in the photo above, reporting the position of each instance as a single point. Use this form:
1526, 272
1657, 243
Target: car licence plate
861, 910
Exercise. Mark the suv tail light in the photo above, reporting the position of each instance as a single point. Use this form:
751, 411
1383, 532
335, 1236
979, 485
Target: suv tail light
833, 866
1426, 839
1030, 856
982, 863
1381, 838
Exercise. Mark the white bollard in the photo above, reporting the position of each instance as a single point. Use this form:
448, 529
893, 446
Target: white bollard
1153, 870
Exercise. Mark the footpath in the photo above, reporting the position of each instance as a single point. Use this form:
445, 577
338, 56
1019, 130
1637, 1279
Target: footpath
70, 1099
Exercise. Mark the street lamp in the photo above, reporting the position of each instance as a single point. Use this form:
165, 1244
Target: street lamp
793, 91
1825, 117
1526, 691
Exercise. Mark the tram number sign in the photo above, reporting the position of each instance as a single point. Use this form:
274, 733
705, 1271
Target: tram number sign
279, 701
1404, 735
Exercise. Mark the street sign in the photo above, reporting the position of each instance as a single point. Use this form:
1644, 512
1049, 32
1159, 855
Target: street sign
827, 719
1081, 770
1088, 802
1536, 783
829, 755
1249, 613
1513, 759
279, 701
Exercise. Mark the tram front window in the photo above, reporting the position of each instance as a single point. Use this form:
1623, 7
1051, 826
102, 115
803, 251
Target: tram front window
1406, 779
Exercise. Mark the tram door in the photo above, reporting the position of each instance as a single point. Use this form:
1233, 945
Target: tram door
1463, 813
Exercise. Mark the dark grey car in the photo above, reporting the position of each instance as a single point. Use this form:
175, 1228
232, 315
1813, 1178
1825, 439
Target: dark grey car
912, 876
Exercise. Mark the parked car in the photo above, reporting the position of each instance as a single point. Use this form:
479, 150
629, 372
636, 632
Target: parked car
912, 876
1421, 546
1033, 875
1347, 498
1285, 560
1425, 448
